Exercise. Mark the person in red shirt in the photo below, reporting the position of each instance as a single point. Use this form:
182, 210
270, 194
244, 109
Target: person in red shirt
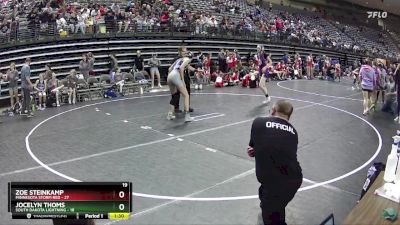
103, 10
279, 25
280, 70
207, 67
164, 18
231, 60
338, 71
310, 67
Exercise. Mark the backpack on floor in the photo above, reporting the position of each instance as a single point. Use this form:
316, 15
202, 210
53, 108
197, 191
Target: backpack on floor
110, 93
51, 100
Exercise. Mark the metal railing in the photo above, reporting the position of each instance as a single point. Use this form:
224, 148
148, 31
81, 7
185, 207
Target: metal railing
50, 31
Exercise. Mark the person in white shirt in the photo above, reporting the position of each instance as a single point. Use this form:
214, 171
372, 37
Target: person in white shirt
81, 23
61, 23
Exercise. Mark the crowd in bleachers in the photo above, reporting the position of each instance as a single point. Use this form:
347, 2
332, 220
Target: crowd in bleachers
53, 17
304, 27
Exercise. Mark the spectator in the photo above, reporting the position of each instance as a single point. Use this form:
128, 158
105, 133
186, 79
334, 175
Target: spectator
117, 78
41, 88
81, 25
122, 19
368, 85
223, 66
72, 23
113, 63
72, 81
26, 87
12, 78
84, 66
381, 82
139, 62
54, 89
109, 20
5, 29
61, 23
48, 74
390, 97
91, 60
154, 63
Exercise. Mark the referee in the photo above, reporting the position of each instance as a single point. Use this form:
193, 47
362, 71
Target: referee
273, 143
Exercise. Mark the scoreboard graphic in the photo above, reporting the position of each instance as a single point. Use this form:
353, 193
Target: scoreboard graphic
66, 200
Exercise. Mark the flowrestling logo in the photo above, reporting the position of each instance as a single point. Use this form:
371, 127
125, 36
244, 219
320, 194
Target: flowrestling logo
377, 14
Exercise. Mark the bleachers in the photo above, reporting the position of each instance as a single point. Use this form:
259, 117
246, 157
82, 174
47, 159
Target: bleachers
64, 56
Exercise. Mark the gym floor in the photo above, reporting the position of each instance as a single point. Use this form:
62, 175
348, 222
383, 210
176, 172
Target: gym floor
199, 172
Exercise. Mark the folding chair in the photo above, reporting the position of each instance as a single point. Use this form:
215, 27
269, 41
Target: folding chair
130, 84
82, 90
105, 83
94, 87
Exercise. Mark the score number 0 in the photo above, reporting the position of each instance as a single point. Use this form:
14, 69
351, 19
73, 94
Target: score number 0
121, 194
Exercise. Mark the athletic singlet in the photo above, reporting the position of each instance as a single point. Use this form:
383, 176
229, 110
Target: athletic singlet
309, 61
261, 58
177, 64
41, 86
298, 63
337, 68
207, 63
327, 64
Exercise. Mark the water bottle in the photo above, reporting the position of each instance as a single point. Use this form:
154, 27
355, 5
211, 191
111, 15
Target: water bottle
391, 163
397, 178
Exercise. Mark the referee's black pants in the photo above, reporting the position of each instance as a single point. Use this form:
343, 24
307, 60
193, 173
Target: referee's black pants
187, 84
274, 199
